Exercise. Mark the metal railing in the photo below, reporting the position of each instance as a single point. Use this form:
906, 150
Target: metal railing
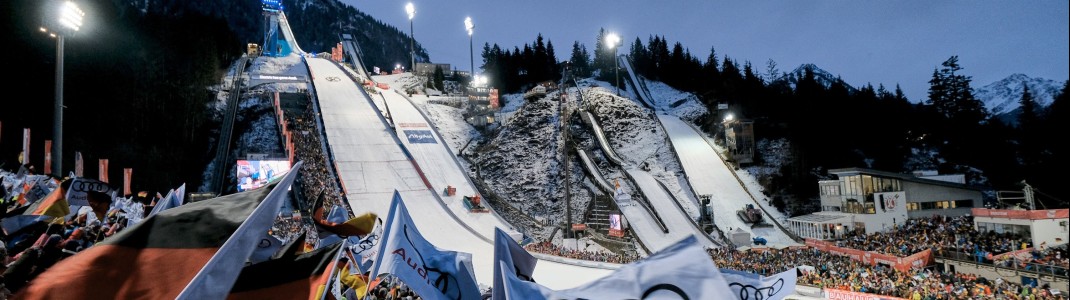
1012, 264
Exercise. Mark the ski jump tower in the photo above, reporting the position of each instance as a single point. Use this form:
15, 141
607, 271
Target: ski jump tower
278, 39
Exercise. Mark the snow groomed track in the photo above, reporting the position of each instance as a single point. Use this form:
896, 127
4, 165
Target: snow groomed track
709, 175
373, 162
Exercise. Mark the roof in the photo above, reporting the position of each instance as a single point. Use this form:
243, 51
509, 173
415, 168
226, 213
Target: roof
819, 218
904, 177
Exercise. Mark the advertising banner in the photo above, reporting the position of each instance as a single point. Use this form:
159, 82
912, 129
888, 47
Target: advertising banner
48, 157
420, 136
102, 166
834, 294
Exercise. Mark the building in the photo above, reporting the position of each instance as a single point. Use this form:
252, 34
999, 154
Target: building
482, 105
428, 69
874, 201
1047, 227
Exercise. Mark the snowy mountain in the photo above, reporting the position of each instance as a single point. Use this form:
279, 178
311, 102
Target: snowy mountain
821, 76
1002, 96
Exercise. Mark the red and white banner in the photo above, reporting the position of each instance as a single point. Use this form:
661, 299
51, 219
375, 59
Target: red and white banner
917, 260
48, 157
79, 168
127, 174
102, 175
25, 146
1022, 214
834, 294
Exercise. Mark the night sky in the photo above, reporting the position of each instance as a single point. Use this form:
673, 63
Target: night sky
885, 42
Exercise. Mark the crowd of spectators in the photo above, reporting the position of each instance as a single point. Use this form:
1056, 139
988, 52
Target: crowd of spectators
939, 233
28, 251
315, 180
547, 247
826, 270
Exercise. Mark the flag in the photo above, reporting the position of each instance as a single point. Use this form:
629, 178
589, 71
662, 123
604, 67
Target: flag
510, 258
155, 258
173, 199
48, 158
102, 169
216, 278
753, 286
365, 249
128, 174
79, 168
681, 271
25, 157
286, 277
431, 272
336, 222
54, 205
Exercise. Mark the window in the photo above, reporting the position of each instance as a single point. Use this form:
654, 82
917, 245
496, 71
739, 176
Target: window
964, 203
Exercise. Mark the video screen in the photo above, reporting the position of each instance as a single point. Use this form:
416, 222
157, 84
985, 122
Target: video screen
257, 173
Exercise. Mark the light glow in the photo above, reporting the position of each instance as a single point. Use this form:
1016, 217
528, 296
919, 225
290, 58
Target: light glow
70, 16
611, 40
468, 25
411, 10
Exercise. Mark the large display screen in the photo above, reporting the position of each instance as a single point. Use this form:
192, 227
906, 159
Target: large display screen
257, 173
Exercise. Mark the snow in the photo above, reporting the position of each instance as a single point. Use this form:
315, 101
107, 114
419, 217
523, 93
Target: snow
372, 166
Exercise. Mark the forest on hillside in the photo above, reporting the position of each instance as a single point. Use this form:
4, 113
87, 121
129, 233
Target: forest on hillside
829, 123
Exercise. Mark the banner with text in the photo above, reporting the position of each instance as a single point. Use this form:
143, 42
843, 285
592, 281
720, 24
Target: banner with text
420, 136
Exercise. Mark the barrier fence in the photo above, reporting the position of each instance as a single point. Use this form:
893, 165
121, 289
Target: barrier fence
917, 260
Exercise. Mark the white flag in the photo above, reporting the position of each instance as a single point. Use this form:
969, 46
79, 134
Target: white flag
681, 271
366, 249
510, 259
753, 286
430, 272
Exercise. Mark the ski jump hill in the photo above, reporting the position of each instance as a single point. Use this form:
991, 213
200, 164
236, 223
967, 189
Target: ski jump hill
375, 156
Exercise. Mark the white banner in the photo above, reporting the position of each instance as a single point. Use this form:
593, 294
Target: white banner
753, 286
681, 271
25, 146
76, 194
431, 272
366, 249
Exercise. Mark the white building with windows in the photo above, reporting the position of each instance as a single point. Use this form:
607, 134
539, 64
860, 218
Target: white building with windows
875, 201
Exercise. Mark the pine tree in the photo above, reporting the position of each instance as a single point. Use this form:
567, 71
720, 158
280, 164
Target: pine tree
439, 78
1028, 119
951, 95
581, 63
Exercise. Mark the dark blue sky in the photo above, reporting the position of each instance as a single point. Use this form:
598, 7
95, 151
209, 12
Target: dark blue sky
885, 42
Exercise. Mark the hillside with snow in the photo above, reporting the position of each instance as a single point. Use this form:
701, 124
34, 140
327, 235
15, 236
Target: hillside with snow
1002, 96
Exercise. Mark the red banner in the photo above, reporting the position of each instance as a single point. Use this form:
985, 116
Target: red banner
1022, 214
102, 165
127, 174
834, 294
917, 260
579, 227
48, 157
78, 164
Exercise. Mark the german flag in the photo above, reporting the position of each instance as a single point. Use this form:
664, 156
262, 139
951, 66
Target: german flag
287, 277
154, 259
358, 226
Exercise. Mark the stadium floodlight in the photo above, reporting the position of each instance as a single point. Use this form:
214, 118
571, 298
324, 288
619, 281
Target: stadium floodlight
411, 10
612, 39
471, 55
70, 18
